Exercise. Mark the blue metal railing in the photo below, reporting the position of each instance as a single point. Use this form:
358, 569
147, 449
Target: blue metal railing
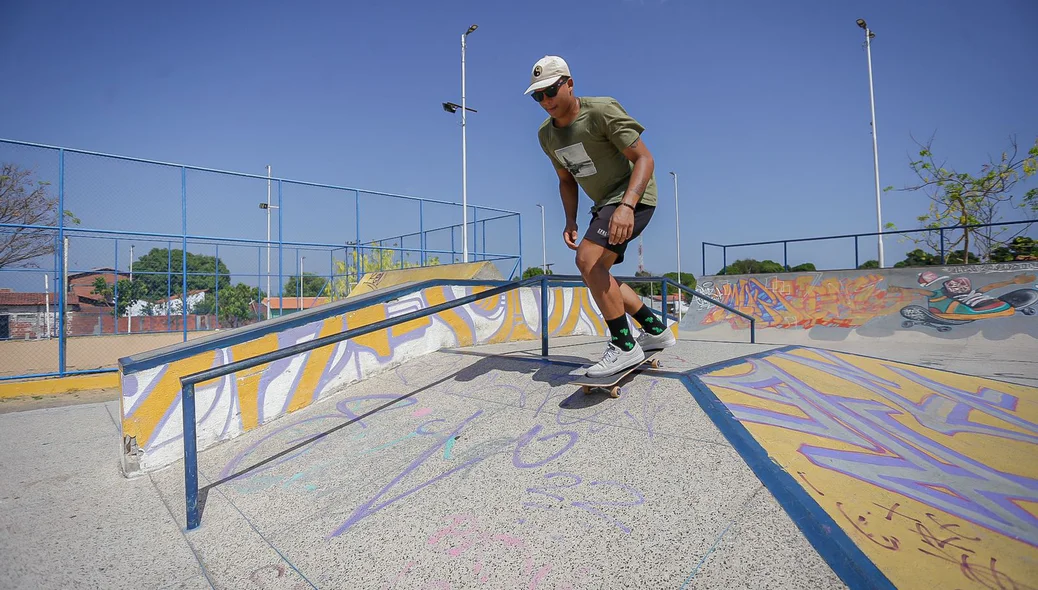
188, 382
785, 243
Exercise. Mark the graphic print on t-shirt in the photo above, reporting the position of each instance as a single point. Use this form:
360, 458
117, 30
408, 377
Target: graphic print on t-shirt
575, 159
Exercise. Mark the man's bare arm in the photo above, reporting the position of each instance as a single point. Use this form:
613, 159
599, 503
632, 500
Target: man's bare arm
568, 191
642, 173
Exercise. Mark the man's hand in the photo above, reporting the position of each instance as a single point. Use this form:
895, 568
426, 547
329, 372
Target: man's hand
621, 225
569, 235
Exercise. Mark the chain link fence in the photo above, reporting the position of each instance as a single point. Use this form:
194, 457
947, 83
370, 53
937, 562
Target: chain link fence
105, 256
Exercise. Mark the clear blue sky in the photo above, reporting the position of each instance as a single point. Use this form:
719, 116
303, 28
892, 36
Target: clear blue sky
762, 108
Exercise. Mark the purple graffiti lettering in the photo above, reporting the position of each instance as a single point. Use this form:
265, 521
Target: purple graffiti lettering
527, 438
900, 442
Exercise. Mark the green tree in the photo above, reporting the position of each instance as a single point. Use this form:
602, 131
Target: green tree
236, 304
869, 264
749, 266
805, 267
26, 201
687, 279
349, 271
169, 264
918, 257
1020, 248
129, 293
535, 271
961, 198
313, 285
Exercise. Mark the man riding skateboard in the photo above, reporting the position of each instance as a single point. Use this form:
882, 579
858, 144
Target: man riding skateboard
595, 145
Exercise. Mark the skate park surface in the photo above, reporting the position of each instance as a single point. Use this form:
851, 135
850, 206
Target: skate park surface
846, 459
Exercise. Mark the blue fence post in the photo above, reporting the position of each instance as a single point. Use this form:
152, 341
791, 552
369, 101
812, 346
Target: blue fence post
785, 256
216, 273
475, 224
63, 259
281, 254
115, 290
183, 269
856, 262
544, 315
421, 229
187, 401
169, 285
259, 283
520, 262
702, 258
942, 246
724, 259
453, 253
663, 299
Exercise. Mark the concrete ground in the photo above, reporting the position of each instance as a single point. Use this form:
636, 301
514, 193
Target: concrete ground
470, 468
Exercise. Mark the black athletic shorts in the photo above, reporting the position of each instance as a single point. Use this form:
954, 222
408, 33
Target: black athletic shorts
598, 230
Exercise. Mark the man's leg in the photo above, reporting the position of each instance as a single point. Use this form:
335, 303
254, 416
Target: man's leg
594, 262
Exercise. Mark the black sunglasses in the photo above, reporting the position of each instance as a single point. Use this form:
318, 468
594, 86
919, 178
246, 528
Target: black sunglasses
550, 92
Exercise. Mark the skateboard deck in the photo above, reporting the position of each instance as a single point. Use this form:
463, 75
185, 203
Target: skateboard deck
611, 383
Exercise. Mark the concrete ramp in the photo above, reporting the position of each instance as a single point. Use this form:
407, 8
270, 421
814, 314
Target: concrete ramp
373, 281
900, 475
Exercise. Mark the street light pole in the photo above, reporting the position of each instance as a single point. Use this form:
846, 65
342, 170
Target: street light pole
875, 145
268, 241
464, 158
544, 252
268, 207
677, 226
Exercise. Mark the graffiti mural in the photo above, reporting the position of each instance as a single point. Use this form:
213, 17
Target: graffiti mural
933, 300
151, 410
952, 301
931, 474
804, 301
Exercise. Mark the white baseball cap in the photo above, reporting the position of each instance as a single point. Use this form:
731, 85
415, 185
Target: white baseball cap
546, 72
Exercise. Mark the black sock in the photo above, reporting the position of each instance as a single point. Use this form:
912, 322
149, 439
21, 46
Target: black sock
648, 321
620, 331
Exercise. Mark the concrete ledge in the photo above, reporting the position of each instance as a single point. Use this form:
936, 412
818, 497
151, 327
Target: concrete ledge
58, 385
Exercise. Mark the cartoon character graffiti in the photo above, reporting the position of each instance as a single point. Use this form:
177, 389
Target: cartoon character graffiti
955, 301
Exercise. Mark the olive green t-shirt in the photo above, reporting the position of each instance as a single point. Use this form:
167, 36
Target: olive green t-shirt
591, 148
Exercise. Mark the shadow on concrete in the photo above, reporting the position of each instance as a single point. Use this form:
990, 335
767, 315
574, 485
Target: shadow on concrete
203, 492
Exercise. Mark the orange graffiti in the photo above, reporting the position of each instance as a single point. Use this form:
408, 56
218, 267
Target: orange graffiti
803, 303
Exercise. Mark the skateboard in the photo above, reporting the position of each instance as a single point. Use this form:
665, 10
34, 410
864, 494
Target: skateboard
611, 382
1024, 300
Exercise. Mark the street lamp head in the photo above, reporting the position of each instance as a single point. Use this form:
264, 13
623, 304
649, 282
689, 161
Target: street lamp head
861, 23
472, 28
263, 205
450, 107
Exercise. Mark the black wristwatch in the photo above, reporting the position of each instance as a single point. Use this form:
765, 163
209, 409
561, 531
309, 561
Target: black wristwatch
623, 204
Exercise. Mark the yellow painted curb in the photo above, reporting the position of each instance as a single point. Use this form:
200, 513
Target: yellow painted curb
58, 385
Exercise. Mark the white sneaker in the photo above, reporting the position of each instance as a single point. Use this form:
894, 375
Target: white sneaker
615, 360
664, 340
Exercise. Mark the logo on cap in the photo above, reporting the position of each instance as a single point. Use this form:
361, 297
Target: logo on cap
537, 71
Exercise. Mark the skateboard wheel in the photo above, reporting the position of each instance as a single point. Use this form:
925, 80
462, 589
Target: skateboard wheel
1028, 311
655, 364
614, 391
907, 324
943, 329
587, 389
